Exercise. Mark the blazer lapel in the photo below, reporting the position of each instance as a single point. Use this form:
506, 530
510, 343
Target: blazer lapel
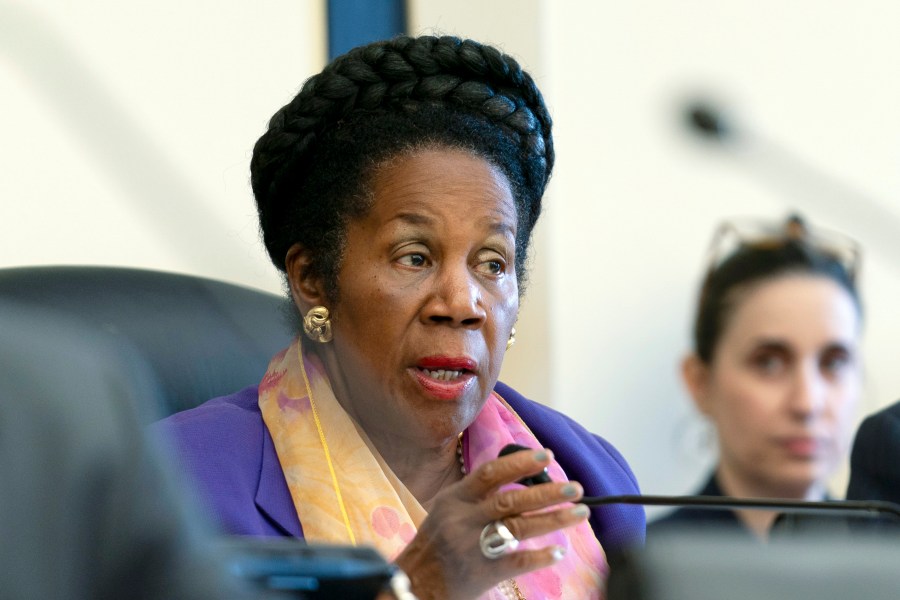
273, 498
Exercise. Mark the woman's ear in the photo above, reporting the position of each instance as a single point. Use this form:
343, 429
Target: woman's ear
306, 285
695, 374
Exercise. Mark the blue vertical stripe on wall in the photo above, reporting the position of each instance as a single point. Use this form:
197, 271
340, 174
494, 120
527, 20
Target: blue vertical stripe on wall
352, 23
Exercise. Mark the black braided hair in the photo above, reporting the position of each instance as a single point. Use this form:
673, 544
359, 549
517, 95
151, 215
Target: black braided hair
311, 170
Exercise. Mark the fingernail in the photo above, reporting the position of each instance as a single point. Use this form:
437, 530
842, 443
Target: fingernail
558, 553
581, 511
540, 455
570, 490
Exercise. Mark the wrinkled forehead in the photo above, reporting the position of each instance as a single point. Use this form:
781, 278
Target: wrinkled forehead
417, 187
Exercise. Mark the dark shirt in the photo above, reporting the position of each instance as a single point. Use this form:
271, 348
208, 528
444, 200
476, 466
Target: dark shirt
726, 522
691, 518
874, 470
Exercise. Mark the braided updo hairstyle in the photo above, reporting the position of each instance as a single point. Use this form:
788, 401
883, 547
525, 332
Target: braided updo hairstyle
311, 170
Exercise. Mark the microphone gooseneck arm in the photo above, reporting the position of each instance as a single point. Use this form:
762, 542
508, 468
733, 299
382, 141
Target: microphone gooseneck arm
853, 508
849, 508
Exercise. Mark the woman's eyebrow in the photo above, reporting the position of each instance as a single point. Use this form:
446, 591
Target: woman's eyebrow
413, 218
502, 227
768, 343
842, 345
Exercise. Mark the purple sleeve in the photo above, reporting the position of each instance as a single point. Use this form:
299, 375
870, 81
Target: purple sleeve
225, 453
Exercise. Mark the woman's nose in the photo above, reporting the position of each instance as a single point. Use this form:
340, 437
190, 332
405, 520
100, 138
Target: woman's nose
809, 392
456, 298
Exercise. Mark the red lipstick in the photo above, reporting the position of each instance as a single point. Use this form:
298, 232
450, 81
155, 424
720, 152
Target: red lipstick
445, 377
801, 446
450, 363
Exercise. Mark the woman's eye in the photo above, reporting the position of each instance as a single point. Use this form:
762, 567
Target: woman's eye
412, 260
769, 364
492, 267
834, 361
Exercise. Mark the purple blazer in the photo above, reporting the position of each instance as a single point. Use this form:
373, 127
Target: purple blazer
226, 452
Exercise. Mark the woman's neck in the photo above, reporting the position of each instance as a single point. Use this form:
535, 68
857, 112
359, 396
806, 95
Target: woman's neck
760, 521
424, 471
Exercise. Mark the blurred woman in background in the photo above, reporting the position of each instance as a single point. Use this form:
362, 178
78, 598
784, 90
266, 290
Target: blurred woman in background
775, 367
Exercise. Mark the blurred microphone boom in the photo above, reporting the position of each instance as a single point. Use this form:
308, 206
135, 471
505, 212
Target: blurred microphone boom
809, 187
707, 121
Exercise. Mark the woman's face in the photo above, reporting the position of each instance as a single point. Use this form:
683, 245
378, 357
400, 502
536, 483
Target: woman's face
783, 385
427, 297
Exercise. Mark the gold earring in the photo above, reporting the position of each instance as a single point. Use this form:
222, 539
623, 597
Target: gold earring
317, 325
512, 339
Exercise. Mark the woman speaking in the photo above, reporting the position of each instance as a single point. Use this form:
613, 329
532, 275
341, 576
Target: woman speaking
397, 192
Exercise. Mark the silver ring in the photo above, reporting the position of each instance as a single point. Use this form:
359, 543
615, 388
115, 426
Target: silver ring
496, 540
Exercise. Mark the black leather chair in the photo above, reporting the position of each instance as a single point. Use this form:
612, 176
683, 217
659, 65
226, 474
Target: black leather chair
201, 338
87, 507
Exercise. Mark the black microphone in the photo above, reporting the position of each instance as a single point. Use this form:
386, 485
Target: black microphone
542, 477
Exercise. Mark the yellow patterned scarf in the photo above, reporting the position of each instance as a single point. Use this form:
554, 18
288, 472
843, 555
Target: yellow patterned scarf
345, 493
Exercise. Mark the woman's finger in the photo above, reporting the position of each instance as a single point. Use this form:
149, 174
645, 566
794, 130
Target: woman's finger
524, 561
491, 475
524, 527
512, 502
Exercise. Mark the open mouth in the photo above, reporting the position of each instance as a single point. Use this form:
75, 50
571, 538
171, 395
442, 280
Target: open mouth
445, 377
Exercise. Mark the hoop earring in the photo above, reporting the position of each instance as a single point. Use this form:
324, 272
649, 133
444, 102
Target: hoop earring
317, 325
512, 339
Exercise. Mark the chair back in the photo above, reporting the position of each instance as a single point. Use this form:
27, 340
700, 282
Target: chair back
201, 338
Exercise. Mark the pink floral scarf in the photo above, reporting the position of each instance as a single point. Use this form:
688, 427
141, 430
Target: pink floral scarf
345, 493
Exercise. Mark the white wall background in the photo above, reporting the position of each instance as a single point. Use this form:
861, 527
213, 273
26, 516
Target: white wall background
127, 130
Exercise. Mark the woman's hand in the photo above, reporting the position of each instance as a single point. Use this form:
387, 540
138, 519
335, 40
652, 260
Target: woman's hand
444, 560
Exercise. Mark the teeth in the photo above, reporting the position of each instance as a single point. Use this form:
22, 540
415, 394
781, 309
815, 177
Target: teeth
442, 374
